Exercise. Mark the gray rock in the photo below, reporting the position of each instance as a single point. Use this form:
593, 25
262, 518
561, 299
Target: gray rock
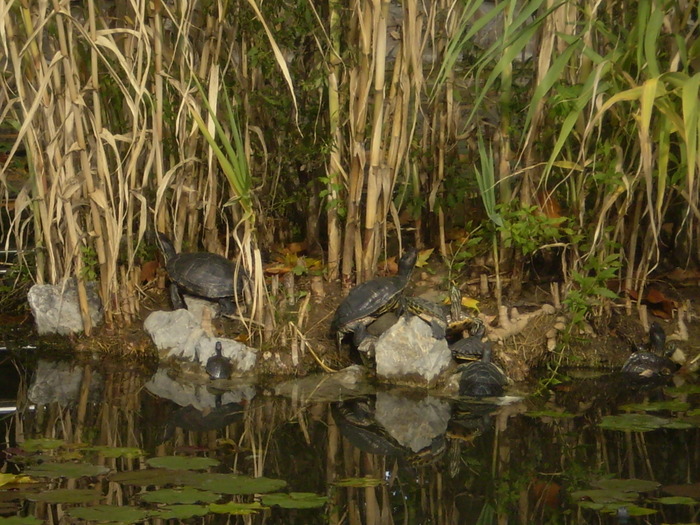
414, 424
180, 334
56, 309
60, 382
408, 353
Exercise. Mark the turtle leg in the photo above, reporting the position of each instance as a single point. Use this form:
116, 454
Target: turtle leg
359, 334
438, 330
176, 297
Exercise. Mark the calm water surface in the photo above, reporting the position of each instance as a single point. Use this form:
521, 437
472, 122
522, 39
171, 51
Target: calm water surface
597, 450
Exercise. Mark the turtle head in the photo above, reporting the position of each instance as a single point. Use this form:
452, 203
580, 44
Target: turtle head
408, 261
218, 348
167, 246
657, 337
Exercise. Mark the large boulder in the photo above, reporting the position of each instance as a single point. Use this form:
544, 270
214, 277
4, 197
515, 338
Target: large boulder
407, 353
56, 308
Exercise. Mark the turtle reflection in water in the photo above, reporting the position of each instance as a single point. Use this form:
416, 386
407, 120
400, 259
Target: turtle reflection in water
648, 361
369, 300
218, 366
203, 274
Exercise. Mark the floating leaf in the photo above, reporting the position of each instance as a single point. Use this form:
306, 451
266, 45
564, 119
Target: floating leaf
147, 477
550, 413
182, 462
294, 500
182, 512
64, 496
241, 509
184, 495
110, 513
359, 482
694, 412
65, 470
680, 425
633, 422
232, 484
688, 388
6, 479
18, 520
673, 406
604, 495
677, 500
634, 510
627, 485
118, 452
36, 445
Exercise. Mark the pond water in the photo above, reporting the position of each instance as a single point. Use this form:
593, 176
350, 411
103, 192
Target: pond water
100, 441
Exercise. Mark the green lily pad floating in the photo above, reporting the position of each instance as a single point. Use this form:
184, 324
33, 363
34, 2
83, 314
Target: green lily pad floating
627, 485
110, 513
673, 406
359, 482
633, 422
604, 496
677, 500
37, 445
688, 388
294, 500
682, 424
232, 484
65, 496
613, 507
550, 413
694, 412
240, 509
182, 512
143, 478
182, 463
65, 470
18, 520
180, 496
118, 452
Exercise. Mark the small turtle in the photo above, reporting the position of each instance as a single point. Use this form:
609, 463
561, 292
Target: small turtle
482, 378
369, 300
649, 360
457, 320
431, 312
202, 274
470, 348
218, 366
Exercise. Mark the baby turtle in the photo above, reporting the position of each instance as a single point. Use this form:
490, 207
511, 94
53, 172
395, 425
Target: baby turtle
218, 366
369, 300
649, 360
482, 378
470, 348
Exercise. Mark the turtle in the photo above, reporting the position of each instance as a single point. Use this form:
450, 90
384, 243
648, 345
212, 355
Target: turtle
482, 378
457, 321
367, 301
203, 274
218, 366
431, 312
649, 360
470, 348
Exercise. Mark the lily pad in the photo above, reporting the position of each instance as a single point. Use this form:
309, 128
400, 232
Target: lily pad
240, 509
694, 412
180, 496
627, 485
65, 496
65, 470
677, 500
232, 484
603, 496
118, 452
36, 445
294, 500
110, 513
680, 425
633, 422
182, 512
359, 482
673, 406
182, 463
161, 477
19, 520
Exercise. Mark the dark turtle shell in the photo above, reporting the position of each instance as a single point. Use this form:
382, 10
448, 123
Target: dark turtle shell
482, 378
648, 360
470, 348
218, 366
203, 274
370, 299
431, 312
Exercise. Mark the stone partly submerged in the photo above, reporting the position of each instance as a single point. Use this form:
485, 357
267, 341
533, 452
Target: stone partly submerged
56, 308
